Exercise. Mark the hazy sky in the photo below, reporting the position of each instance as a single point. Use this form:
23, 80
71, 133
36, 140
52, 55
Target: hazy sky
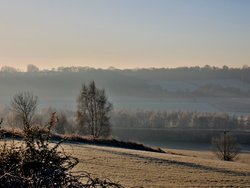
124, 33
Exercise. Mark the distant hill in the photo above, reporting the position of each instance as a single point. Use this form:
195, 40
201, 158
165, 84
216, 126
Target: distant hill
207, 89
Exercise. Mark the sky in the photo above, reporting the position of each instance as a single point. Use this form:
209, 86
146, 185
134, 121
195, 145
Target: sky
124, 33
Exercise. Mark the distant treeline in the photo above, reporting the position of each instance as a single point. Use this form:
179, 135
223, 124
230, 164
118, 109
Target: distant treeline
139, 119
149, 126
181, 120
127, 82
206, 72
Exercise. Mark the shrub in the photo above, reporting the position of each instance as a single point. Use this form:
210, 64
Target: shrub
35, 162
226, 147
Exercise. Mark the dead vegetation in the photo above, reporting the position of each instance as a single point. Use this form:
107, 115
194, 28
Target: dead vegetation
18, 134
36, 163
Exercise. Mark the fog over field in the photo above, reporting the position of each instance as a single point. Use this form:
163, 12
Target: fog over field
206, 89
150, 105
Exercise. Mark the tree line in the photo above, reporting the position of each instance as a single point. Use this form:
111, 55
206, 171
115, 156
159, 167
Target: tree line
179, 119
72, 122
179, 73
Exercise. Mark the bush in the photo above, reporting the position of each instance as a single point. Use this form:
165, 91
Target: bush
36, 162
226, 147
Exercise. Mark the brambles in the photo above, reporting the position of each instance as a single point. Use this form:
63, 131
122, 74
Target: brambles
35, 163
38, 163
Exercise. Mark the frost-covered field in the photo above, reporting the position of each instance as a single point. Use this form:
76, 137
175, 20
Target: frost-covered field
146, 169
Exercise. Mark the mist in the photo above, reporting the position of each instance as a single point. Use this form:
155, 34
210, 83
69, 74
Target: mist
201, 89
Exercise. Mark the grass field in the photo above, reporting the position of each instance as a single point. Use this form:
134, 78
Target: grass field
147, 169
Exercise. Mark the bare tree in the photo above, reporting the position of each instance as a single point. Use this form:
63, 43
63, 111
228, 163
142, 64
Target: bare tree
226, 147
24, 105
93, 111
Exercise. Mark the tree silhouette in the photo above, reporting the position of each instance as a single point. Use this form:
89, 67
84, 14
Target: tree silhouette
226, 147
93, 111
24, 105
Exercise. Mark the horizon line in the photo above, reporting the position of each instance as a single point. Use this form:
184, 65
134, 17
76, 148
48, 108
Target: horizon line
6, 68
